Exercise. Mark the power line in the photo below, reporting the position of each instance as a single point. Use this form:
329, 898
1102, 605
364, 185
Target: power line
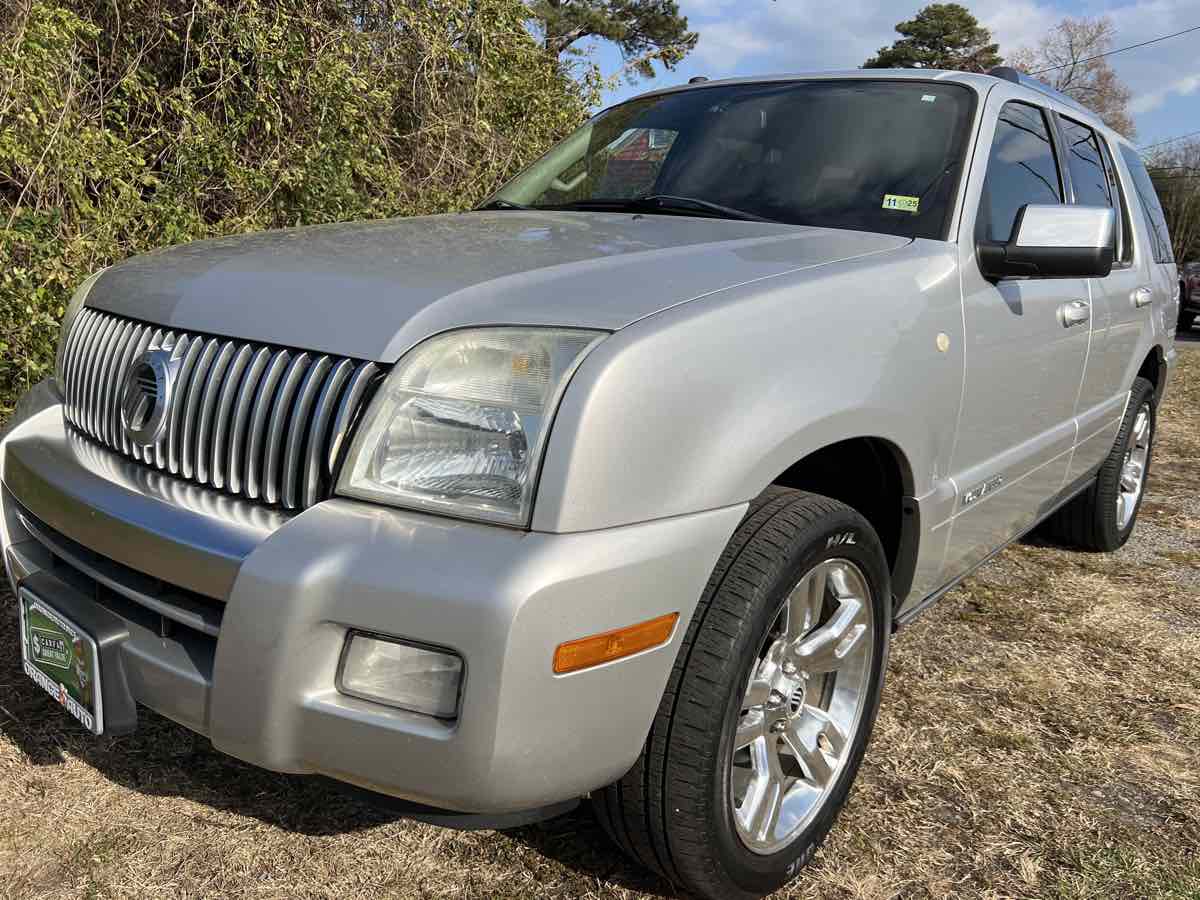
1076, 62
1169, 141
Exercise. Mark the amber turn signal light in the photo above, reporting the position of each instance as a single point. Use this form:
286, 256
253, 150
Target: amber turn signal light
601, 648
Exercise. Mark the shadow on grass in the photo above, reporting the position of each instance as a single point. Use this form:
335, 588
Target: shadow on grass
577, 842
164, 759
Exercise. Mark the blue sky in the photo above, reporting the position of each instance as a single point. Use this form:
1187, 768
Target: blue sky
752, 37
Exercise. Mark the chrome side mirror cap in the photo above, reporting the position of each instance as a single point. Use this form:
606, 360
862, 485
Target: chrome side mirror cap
1053, 241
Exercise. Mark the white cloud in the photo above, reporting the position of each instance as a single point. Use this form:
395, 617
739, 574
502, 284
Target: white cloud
1152, 100
724, 44
706, 7
1016, 25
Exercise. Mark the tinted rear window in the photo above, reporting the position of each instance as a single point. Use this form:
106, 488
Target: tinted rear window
1087, 169
1160, 237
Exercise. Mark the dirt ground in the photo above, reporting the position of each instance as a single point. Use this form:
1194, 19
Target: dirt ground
1040, 737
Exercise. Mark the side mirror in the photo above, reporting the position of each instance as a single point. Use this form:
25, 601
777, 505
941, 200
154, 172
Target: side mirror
1053, 242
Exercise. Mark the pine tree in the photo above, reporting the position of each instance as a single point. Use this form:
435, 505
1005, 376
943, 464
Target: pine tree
940, 36
645, 30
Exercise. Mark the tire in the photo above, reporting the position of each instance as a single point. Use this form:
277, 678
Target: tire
678, 810
1093, 520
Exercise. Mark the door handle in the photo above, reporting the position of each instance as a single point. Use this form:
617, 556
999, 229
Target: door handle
1074, 312
1143, 296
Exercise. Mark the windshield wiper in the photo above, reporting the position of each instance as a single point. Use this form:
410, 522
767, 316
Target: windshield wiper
498, 203
660, 203
671, 201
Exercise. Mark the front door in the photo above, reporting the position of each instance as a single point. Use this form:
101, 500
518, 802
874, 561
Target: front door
1024, 359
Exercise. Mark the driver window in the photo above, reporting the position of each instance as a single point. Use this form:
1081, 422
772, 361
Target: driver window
1021, 169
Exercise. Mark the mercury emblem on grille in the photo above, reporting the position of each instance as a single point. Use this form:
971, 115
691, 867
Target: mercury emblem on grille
146, 396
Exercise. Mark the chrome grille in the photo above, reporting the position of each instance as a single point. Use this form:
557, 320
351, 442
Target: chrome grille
263, 422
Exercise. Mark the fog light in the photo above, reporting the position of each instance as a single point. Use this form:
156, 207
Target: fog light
402, 675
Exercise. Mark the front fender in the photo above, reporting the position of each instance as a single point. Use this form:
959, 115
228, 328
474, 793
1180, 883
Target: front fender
704, 405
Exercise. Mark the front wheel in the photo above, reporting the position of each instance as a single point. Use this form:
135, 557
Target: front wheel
769, 707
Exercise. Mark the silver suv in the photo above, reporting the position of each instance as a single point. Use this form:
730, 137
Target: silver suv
617, 486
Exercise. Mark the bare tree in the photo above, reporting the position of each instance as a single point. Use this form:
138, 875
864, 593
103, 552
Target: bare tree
1176, 174
1066, 59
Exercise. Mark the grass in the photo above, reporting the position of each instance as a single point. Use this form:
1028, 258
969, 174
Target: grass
1040, 737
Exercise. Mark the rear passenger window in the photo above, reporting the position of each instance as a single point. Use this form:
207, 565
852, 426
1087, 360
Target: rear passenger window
1148, 201
1089, 177
1087, 169
1124, 255
1021, 169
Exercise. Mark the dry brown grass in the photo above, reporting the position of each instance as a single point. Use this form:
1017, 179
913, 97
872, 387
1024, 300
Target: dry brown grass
1040, 737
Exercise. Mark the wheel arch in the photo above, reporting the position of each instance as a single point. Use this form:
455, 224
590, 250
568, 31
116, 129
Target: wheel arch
873, 476
1153, 369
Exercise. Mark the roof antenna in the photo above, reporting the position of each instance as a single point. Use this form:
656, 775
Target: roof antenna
698, 79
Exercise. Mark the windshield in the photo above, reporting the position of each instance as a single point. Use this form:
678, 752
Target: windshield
881, 156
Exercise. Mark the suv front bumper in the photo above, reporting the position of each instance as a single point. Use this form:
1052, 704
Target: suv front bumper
259, 605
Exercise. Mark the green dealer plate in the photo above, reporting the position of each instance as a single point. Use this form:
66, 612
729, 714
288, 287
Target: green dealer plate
62, 659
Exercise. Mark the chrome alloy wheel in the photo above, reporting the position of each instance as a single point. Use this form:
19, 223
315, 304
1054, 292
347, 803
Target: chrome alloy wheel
1133, 468
803, 705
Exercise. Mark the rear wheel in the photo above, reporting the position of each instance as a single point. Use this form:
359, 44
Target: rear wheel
769, 707
1102, 517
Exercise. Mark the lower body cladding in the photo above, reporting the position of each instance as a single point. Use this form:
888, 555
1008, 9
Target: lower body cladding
237, 622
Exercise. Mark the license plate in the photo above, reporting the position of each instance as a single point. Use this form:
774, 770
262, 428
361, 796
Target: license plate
62, 659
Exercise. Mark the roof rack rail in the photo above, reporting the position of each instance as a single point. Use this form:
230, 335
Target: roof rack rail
1008, 73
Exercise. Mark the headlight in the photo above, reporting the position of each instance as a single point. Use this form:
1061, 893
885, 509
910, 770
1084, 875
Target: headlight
73, 308
460, 424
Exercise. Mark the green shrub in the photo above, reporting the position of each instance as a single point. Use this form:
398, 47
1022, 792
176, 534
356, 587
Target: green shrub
127, 125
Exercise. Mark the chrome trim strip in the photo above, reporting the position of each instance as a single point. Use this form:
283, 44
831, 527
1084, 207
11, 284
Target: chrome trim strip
71, 360
258, 421
108, 383
298, 429
319, 429
346, 409
241, 418
85, 369
188, 348
233, 378
280, 413
216, 381
191, 410
99, 362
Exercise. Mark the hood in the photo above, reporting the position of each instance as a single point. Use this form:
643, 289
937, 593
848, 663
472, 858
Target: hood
371, 290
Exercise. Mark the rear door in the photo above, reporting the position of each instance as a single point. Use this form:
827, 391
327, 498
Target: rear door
1023, 365
1138, 298
1120, 302
1152, 239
